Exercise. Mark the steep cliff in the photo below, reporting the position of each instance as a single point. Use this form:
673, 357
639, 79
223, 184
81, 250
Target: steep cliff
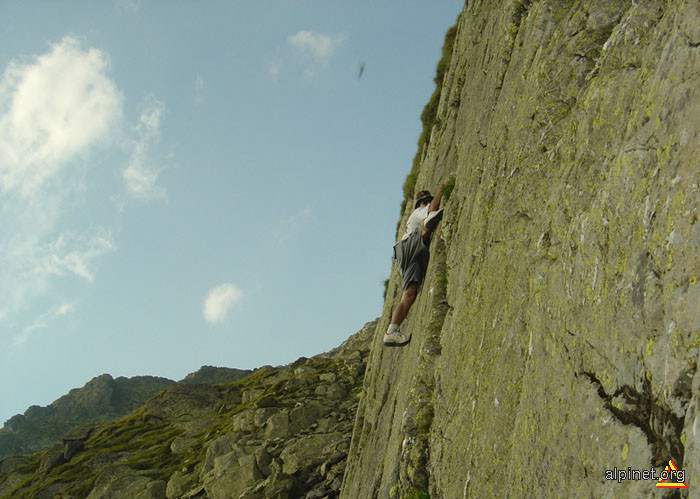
557, 333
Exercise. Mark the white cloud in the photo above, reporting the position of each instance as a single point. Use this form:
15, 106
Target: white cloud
54, 109
42, 322
288, 226
130, 7
74, 253
317, 46
141, 174
273, 70
219, 301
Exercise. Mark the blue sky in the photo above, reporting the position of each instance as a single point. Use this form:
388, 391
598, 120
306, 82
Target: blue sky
199, 183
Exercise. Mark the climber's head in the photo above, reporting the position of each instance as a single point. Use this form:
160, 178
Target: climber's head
423, 197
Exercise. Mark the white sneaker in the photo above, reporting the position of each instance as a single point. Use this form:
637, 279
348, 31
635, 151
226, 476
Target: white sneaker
432, 219
396, 338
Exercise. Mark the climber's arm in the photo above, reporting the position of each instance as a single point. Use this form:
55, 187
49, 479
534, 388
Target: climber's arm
435, 203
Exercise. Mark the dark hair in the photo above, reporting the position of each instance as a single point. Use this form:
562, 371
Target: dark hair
421, 197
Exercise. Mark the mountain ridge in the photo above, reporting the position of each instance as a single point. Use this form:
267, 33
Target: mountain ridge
101, 399
279, 432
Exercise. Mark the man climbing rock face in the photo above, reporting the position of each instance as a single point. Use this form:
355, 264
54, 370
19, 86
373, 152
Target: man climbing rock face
411, 258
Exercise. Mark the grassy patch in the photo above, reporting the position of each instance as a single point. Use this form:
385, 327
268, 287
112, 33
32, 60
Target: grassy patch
429, 115
448, 188
417, 494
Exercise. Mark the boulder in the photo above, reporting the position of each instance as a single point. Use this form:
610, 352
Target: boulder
252, 394
277, 426
244, 421
233, 474
303, 416
263, 461
261, 416
219, 447
307, 452
179, 484
53, 458
279, 486
267, 402
121, 481
181, 444
304, 371
336, 392
71, 448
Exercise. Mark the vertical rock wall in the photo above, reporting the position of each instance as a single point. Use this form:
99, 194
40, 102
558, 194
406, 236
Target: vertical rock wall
557, 333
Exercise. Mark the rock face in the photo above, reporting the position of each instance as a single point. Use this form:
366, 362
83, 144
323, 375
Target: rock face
102, 399
279, 432
557, 334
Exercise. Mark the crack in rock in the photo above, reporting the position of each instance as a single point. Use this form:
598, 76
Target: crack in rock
661, 427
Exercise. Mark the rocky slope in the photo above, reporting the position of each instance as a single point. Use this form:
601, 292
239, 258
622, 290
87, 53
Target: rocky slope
557, 334
279, 432
101, 399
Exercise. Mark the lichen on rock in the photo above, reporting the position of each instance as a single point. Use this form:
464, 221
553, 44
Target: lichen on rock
567, 338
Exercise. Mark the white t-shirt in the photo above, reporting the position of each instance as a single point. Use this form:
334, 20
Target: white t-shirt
415, 220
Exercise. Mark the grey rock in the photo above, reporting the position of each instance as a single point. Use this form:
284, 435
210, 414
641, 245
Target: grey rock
244, 421
122, 481
277, 426
302, 417
71, 448
263, 460
233, 474
304, 371
181, 444
352, 356
179, 484
336, 392
251, 395
219, 447
306, 452
279, 486
267, 402
262, 415
53, 458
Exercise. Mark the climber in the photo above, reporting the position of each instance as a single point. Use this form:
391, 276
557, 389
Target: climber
411, 258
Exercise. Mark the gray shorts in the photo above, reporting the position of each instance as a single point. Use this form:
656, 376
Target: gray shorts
411, 257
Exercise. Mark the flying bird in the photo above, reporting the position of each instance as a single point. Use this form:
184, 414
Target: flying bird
362, 70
